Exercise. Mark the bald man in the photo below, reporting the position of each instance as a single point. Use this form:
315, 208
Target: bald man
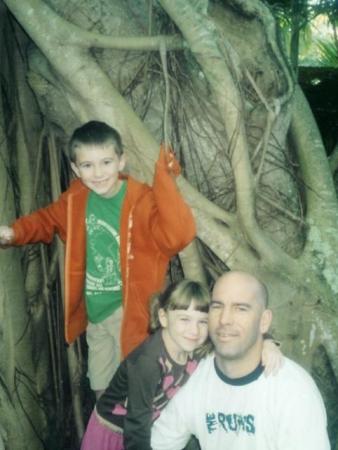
228, 403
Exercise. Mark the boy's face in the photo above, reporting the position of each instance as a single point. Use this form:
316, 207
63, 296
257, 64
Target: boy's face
98, 166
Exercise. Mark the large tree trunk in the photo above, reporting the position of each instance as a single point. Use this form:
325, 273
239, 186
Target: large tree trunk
212, 78
24, 366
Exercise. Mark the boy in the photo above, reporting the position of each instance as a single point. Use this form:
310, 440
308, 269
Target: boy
119, 234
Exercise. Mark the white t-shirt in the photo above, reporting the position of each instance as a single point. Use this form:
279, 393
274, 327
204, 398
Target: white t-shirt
279, 412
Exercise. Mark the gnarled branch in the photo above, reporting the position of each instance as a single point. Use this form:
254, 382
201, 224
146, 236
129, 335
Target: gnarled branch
216, 62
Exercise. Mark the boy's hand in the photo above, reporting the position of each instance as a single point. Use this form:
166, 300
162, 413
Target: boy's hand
167, 158
272, 357
6, 235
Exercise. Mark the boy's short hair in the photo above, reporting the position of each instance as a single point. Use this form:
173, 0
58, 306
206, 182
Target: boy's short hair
94, 133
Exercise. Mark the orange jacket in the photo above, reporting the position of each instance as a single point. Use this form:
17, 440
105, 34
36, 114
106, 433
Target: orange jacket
155, 225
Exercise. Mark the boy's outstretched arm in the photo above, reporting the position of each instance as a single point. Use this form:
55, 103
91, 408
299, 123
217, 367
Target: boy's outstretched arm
173, 224
39, 226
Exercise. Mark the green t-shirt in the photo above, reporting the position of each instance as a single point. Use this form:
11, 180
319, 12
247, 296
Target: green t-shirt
103, 289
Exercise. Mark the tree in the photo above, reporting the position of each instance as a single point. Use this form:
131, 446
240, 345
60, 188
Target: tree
309, 29
255, 169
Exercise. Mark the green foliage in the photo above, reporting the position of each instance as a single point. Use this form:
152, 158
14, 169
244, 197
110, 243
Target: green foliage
328, 52
307, 19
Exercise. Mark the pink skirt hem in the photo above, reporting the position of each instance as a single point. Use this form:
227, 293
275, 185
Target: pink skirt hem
100, 437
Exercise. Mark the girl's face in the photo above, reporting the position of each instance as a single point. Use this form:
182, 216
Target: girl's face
183, 330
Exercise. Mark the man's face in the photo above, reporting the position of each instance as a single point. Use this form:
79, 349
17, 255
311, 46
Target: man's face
238, 318
98, 166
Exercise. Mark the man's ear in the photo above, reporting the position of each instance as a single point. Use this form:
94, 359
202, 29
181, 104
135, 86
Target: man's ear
75, 169
162, 317
266, 320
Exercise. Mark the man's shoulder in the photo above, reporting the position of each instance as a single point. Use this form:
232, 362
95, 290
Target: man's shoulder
294, 378
292, 368
291, 397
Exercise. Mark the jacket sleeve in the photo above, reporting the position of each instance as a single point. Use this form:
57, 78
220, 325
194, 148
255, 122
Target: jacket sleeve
41, 225
171, 431
143, 378
172, 222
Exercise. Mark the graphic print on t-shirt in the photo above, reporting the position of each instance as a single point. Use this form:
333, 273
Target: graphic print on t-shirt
235, 423
103, 274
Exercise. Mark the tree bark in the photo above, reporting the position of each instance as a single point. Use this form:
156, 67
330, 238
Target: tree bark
256, 173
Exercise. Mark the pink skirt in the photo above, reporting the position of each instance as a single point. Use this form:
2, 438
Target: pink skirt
100, 437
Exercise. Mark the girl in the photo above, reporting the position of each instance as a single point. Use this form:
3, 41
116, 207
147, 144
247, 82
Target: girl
151, 375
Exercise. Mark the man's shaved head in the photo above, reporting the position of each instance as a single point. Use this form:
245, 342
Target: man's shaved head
255, 284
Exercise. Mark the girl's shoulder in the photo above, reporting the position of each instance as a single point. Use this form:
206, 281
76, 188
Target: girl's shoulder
151, 348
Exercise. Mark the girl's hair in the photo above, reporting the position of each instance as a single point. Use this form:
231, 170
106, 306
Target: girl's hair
94, 133
179, 295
